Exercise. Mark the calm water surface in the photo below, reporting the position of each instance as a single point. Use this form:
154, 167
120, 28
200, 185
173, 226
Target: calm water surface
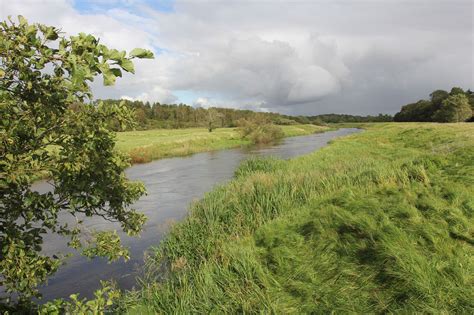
172, 184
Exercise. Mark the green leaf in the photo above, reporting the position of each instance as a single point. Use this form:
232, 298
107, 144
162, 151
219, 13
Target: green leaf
31, 30
117, 72
114, 54
77, 76
2, 73
103, 67
109, 78
141, 53
127, 65
22, 20
51, 34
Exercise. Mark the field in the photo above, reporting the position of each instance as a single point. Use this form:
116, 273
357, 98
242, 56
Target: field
144, 146
377, 222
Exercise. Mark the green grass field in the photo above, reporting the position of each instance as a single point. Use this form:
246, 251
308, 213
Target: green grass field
144, 146
377, 222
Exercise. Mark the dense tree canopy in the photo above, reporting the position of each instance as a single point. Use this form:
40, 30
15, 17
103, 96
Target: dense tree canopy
45, 133
455, 106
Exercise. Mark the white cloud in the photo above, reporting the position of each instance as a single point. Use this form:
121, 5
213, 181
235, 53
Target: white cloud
203, 102
291, 56
155, 94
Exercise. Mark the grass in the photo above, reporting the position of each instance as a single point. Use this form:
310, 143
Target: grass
377, 222
144, 146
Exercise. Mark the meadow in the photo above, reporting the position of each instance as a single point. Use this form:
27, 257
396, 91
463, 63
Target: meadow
147, 145
377, 222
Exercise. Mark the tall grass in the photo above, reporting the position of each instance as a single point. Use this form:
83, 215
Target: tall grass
378, 222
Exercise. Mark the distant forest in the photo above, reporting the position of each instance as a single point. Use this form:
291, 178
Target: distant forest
342, 118
156, 115
454, 106
442, 106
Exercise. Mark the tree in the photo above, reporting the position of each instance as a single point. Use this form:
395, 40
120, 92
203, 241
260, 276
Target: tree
437, 98
470, 96
213, 117
442, 107
456, 90
140, 116
419, 111
45, 133
454, 109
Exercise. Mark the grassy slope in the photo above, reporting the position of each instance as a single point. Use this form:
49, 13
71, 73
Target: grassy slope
381, 221
144, 146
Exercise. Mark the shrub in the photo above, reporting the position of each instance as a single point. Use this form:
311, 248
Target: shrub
260, 132
266, 134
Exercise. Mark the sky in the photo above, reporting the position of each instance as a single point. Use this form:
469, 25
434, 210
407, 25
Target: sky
295, 57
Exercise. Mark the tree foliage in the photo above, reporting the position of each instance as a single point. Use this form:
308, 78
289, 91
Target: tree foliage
104, 298
49, 129
455, 106
213, 118
422, 110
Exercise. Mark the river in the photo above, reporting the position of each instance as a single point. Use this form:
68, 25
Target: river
172, 185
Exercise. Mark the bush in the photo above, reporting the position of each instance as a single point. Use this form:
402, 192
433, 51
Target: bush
259, 132
266, 134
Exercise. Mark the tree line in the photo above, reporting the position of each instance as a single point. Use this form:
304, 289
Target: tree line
156, 115
344, 118
454, 106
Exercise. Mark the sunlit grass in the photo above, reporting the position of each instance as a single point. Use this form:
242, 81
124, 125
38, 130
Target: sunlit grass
144, 146
378, 222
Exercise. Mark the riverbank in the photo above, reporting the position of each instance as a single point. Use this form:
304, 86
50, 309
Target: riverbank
381, 221
148, 145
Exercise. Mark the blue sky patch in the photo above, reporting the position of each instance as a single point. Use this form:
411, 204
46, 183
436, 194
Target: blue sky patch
98, 6
186, 96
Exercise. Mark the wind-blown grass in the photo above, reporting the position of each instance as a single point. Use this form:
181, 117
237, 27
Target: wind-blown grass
144, 146
378, 222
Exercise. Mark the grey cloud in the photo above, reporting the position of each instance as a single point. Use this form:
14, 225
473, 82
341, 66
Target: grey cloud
313, 57
297, 57
273, 72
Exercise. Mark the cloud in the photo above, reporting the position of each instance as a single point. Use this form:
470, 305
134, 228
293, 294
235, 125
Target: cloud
154, 94
254, 69
203, 102
289, 56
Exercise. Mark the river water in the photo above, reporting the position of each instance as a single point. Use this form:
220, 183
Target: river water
172, 185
